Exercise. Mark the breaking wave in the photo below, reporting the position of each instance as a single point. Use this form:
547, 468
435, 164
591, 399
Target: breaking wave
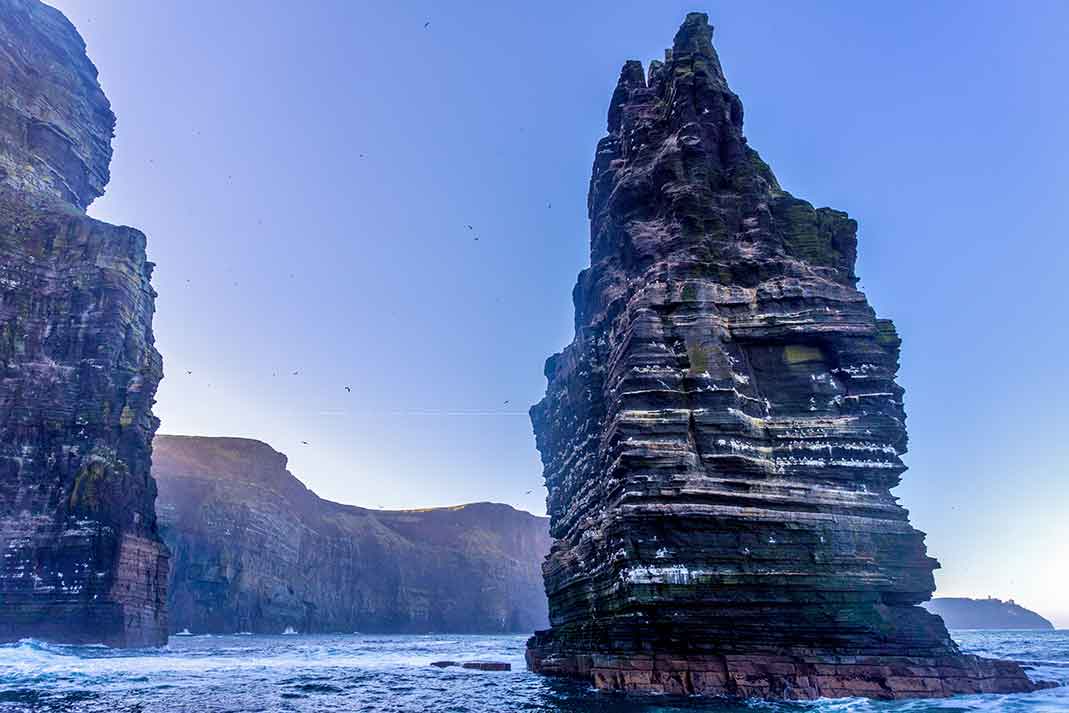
391, 674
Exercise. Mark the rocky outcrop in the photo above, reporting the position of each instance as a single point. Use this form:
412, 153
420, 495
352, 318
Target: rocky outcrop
965, 613
254, 550
55, 122
721, 438
82, 559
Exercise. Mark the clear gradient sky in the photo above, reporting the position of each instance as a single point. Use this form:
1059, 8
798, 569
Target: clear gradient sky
305, 173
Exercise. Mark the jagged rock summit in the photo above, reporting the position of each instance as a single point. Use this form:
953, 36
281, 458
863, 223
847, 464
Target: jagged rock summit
721, 438
82, 560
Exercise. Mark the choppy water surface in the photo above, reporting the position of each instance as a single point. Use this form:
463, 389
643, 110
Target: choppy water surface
392, 673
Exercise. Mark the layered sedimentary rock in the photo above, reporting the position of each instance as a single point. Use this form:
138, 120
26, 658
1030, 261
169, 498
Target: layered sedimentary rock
82, 560
965, 613
721, 438
254, 550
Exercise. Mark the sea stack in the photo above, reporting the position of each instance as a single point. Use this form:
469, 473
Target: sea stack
721, 438
82, 560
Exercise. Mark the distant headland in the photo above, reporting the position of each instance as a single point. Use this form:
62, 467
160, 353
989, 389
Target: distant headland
990, 613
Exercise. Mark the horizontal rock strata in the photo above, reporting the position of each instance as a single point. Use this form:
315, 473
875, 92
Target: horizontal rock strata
255, 550
82, 560
721, 438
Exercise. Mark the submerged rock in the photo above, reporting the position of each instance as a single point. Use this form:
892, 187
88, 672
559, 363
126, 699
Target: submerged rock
255, 550
476, 665
721, 438
82, 560
487, 665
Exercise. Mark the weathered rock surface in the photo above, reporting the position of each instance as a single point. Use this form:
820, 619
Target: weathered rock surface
721, 438
254, 550
965, 613
82, 559
55, 122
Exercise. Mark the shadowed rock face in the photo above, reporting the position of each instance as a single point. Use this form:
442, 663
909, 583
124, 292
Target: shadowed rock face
254, 550
81, 557
721, 438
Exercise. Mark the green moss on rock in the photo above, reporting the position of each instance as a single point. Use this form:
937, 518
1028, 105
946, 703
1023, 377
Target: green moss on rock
801, 353
820, 236
89, 486
698, 356
887, 335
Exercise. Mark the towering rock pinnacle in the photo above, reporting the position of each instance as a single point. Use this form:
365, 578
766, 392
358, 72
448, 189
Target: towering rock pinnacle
81, 559
721, 438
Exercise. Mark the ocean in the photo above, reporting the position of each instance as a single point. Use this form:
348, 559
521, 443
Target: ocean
205, 674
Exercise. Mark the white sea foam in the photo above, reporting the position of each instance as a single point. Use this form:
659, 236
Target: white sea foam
392, 673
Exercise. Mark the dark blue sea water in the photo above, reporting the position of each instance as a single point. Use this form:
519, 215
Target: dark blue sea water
392, 673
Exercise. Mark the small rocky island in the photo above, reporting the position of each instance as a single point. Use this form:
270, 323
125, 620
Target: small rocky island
721, 438
254, 550
965, 613
82, 559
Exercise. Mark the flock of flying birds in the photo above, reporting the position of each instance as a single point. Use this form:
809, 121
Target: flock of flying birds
349, 389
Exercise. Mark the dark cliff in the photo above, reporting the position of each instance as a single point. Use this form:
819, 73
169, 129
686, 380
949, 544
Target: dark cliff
965, 613
721, 438
82, 558
254, 550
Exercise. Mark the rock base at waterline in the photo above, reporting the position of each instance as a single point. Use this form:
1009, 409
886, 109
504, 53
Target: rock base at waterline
783, 677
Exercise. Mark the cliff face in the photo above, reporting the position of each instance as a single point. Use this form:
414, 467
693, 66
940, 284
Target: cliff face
721, 438
254, 550
964, 613
82, 559
55, 122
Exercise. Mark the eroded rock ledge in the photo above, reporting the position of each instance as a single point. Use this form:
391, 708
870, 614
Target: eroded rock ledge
721, 438
82, 560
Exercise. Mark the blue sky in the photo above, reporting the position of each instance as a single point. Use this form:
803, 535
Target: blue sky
305, 173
